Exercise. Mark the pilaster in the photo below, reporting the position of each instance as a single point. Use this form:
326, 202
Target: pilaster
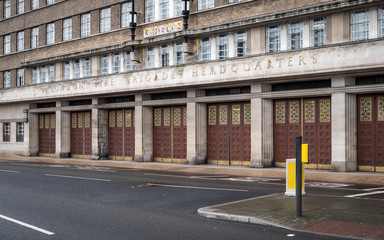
63, 132
143, 132
33, 120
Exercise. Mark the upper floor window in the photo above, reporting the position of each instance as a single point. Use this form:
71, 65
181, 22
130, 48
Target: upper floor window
205, 49
241, 44
34, 4
205, 4
20, 132
116, 63
179, 55
49, 2
7, 8
20, 77
34, 75
7, 79
6, 132
35, 37
222, 46
149, 10
177, 7
318, 31
235, 1
20, 6
128, 63
295, 35
105, 65
7, 44
86, 68
125, 17
164, 9
20, 41
51, 73
43, 74
85, 24
150, 57
76, 69
50, 33
359, 25
381, 21
105, 20
164, 55
273, 38
67, 70
67, 29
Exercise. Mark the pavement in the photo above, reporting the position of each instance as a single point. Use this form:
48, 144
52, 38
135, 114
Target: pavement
356, 217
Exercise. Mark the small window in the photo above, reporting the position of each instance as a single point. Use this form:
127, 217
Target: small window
50, 33
34, 75
149, 10
273, 38
359, 25
7, 79
295, 35
49, 2
67, 29
179, 55
34, 4
85, 25
7, 8
128, 62
205, 49
20, 41
149, 57
164, 9
7, 44
205, 4
381, 22
86, 68
35, 37
67, 70
20, 77
105, 20
235, 1
43, 74
20, 6
318, 31
6, 132
105, 65
125, 14
177, 7
241, 44
51, 73
164, 55
116, 63
222, 46
20, 132
76, 69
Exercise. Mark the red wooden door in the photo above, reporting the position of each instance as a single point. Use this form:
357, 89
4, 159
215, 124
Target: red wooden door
47, 134
81, 134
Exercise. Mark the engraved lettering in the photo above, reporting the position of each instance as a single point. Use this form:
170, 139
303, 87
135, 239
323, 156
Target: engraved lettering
279, 61
212, 71
165, 76
247, 66
156, 78
194, 72
222, 69
258, 65
314, 56
203, 71
234, 67
173, 75
147, 78
269, 64
290, 62
301, 60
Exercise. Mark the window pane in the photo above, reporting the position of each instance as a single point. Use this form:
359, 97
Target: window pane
67, 29
85, 25
20, 132
76, 69
222, 47
116, 63
67, 70
128, 62
359, 25
20, 6
51, 74
43, 74
7, 44
205, 4
318, 31
7, 8
20, 77
205, 49
104, 65
35, 37
149, 57
179, 55
7, 79
125, 16
149, 10
20, 41
295, 36
87, 68
164, 55
105, 20
50, 33
164, 7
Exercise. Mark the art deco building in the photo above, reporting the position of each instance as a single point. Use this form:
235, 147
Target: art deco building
234, 85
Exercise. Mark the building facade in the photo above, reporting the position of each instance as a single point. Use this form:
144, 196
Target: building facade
235, 87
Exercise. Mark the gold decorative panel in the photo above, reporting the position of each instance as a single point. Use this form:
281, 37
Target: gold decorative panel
185, 116
128, 118
133, 117
80, 120
380, 109
235, 114
366, 109
280, 112
53, 121
41, 121
158, 117
294, 111
223, 114
212, 115
310, 111
167, 117
112, 119
119, 119
325, 110
74, 120
177, 116
247, 114
47, 121
87, 119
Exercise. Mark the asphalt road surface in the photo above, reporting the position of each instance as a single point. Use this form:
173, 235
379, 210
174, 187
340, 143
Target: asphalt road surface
77, 202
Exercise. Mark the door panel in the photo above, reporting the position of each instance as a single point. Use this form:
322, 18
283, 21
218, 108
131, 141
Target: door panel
81, 134
47, 134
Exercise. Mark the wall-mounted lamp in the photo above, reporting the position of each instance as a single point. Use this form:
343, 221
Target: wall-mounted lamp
185, 13
25, 115
133, 21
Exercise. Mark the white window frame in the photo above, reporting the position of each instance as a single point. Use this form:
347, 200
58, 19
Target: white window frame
295, 29
104, 65
318, 31
20, 6
7, 44
6, 132
20, 41
360, 19
273, 38
235, 1
128, 65
150, 11
7, 8
67, 71
35, 37
43, 74
85, 25
49, 2
205, 49
20, 77
20, 132
206, 4
164, 55
241, 37
86, 67
380, 19
51, 73
178, 53
150, 57
178, 7
67, 29
50, 33
105, 20
164, 9
76, 69
116, 62
7, 79
222, 46
34, 4
34, 75
126, 8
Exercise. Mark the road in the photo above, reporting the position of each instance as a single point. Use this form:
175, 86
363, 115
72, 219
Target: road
78, 202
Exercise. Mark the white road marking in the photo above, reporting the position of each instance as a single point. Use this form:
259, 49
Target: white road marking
178, 176
364, 194
74, 177
10, 171
26, 225
373, 189
204, 188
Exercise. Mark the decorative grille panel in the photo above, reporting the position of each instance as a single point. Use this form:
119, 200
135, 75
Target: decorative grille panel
158, 117
41, 121
87, 119
128, 118
235, 114
280, 112
167, 117
74, 120
111, 118
177, 116
380, 110
47, 118
119, 118
365, 109
294, 111
80, 120
185, 116
310, 111
53, 121
212, 115
223, 114
247, 114
325, 110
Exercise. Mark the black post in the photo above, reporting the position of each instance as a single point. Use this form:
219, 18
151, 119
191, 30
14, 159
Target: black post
299, 176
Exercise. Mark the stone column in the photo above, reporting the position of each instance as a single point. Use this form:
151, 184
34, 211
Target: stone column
261, 128
99, 132
143, 131
196, 130
33, 120
344, 128
63, 132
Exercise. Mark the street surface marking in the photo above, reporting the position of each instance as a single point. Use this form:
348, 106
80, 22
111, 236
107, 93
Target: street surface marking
204, 188
26, 225
373, 189
364, 194
178, 176
84, 178
10, 171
